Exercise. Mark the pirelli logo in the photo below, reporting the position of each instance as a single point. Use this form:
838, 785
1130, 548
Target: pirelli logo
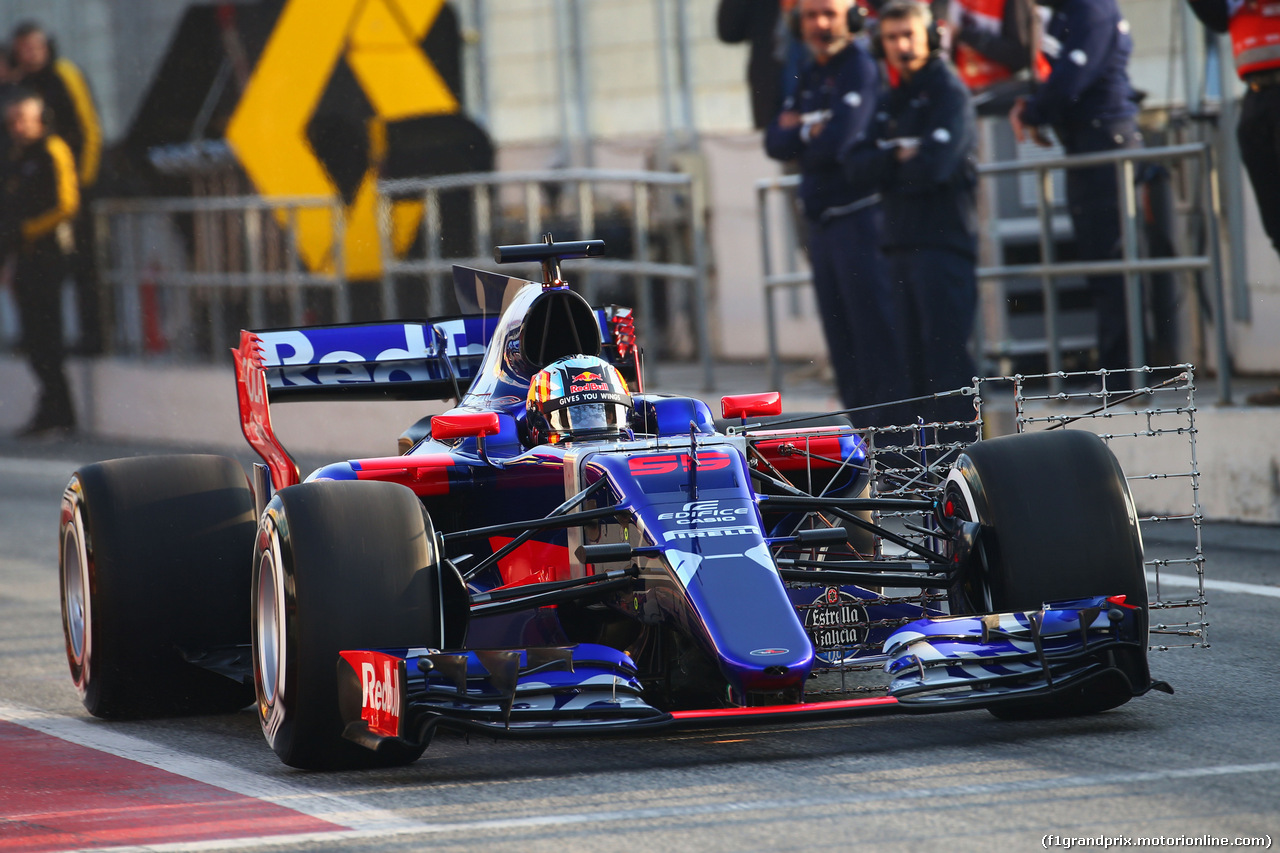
743, 530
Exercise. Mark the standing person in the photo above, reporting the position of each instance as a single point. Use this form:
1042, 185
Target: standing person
39, 197
919, 153
1255, 41
75, 119
832, 106
774, 58
1088, 102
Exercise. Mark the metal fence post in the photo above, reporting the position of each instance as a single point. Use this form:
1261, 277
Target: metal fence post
1132, 280
766, 261
252, 225
342, 294
431, 239
586, 227
387, 251
1048, 287
291, 265
1214, 202
102, 257
699, 237
532, 212
640, 240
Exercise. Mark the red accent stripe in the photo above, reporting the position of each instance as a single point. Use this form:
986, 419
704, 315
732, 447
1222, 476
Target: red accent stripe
58, 795
772, 710
425, 475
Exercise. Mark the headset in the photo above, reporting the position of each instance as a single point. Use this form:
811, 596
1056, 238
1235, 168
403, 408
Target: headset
856, 19
933, 33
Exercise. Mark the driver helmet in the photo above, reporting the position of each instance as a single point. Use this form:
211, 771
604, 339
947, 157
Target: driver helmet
578, 397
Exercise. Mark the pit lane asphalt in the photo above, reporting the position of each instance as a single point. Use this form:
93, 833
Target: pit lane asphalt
1205, 761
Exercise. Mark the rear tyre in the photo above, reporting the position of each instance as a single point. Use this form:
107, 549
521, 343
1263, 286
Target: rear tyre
153, 563
1058, 523
338, 565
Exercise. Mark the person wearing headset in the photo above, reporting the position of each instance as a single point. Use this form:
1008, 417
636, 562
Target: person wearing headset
919, 152
833, 105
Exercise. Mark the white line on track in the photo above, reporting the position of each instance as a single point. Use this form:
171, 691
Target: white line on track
1219, 586
629, 816
366, 822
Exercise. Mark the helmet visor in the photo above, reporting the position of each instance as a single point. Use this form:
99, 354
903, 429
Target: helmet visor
589, 418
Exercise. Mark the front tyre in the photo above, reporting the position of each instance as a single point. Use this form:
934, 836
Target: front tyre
337, 565
1058, 523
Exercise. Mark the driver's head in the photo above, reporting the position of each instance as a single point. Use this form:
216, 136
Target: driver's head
578, 397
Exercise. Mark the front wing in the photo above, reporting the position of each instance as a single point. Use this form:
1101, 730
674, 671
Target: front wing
396, 698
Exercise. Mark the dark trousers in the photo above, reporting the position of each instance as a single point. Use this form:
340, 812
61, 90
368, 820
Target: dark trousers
1093, 199
937, 295
859, 317
1259, 136
37, 284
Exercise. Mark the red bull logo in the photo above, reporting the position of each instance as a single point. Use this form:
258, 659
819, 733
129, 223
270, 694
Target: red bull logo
587, 380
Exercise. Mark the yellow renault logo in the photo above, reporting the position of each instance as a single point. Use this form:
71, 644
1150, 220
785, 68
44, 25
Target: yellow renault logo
379, 40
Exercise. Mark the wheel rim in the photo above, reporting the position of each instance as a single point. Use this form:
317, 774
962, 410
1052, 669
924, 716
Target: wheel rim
77, 615
269, 626
957, 489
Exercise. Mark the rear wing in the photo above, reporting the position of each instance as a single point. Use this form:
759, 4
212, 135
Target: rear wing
435, 360
385, 361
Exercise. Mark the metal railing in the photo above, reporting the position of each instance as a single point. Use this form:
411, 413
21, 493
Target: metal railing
175, 266
678, 216
1048, 269
184, 274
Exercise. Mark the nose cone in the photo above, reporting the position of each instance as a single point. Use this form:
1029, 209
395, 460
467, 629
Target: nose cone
757, 638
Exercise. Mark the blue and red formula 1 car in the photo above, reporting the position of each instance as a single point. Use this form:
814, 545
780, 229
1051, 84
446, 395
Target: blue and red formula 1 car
562, 553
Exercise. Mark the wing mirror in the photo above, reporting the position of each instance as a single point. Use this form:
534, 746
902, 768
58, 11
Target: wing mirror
751, 405
467, 425
464, 425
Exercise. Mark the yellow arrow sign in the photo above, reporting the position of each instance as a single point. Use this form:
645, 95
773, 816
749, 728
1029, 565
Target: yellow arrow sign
379, 40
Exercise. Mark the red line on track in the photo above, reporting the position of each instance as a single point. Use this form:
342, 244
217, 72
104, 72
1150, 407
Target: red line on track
812, 708
56, 795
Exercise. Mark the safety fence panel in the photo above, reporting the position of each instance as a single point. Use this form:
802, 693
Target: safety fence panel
783, 269
185, 274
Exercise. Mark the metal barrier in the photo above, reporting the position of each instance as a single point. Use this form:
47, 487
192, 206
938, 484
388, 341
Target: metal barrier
1129, 265
679, 214
175, 265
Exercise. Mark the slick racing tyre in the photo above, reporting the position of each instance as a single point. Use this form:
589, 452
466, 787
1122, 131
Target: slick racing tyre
1058, 523
337, 565
154, 570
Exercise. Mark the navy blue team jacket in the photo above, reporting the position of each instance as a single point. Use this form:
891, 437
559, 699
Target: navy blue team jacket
841, 95
929, 200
